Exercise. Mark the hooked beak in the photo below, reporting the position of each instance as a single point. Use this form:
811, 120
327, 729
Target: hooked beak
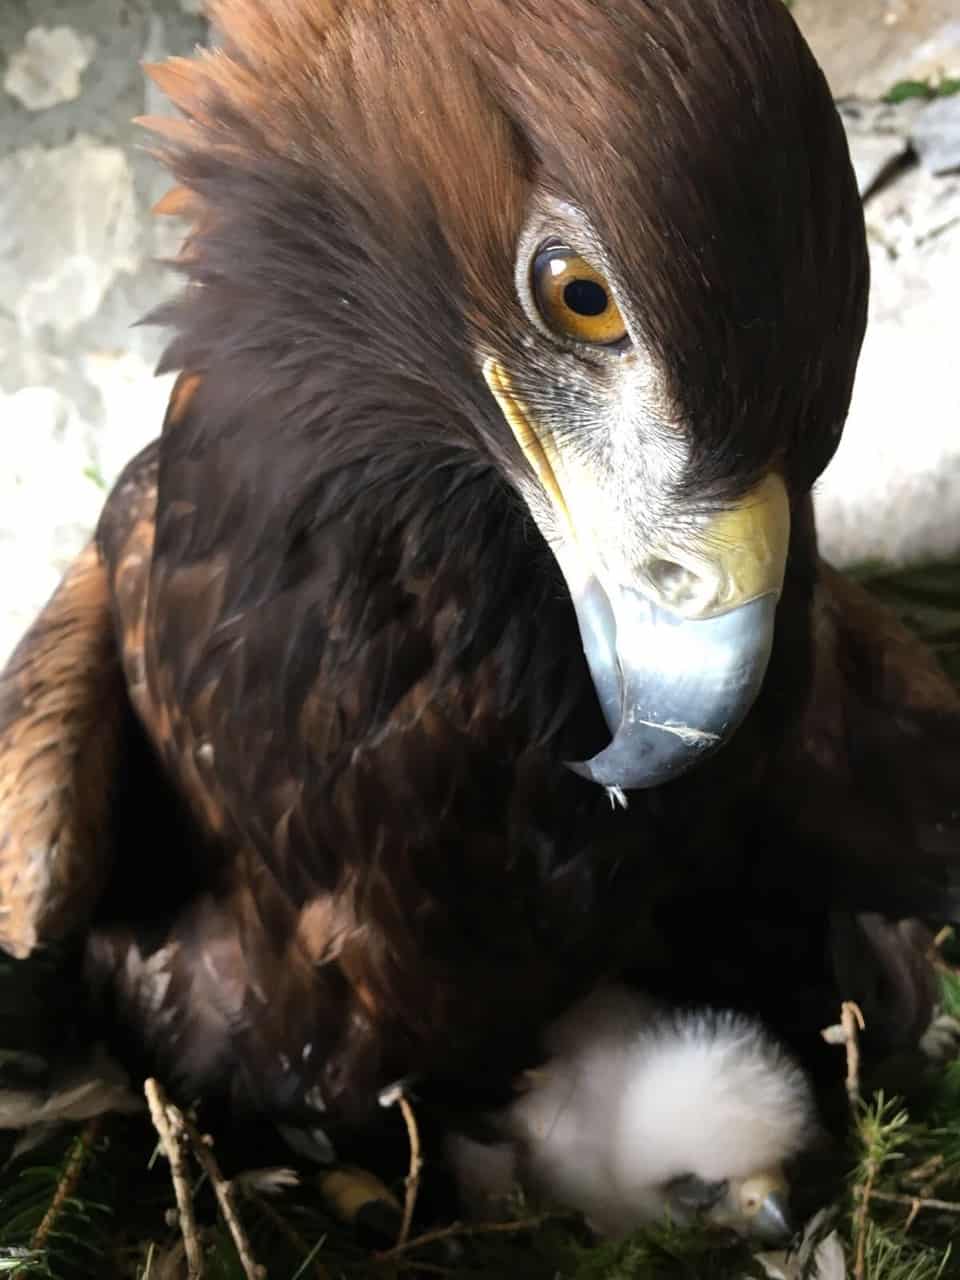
755, 1206
678, 645
771, 1223
761, 1210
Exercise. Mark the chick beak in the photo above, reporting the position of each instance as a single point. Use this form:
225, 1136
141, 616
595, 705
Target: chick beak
762, 1208
771, 1223
678, 644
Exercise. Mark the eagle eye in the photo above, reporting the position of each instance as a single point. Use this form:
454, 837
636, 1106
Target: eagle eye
573, 298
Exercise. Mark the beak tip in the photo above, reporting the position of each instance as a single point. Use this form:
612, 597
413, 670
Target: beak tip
683, 686
772, 1223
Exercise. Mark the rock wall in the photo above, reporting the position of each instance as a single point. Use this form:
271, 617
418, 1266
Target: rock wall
78, 269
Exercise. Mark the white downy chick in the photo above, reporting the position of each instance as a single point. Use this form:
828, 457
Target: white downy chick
642, 1114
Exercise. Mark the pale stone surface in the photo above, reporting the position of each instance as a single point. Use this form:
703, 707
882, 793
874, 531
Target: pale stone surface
47, 70
134, 402
55, 473
77, 270
936, 135
47, 496
892, 493
879, 136
867, 46
56, 268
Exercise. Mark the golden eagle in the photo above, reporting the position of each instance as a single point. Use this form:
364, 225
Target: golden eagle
463, 640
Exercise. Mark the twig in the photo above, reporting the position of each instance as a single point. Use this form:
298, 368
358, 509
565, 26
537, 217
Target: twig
928, 1176
223, 1189
847, 1034
427, 1268
170, 1140
412, 1182
942, 938
893, 1197
291, 1234
860, 1221
461, 1229
923, 1173
311, 1261
68, 1180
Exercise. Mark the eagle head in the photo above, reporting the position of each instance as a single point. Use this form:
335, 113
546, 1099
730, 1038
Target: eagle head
611, 250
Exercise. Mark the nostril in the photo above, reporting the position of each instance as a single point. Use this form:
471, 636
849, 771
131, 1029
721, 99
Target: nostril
676, 584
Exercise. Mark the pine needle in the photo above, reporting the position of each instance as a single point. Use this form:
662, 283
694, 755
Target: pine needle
67, 1184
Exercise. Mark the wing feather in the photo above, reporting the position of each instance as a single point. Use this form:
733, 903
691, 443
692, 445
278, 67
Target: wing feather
61, 711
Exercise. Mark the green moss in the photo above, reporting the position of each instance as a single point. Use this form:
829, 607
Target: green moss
926, 89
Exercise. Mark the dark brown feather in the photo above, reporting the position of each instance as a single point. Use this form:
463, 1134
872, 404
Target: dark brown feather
353, 663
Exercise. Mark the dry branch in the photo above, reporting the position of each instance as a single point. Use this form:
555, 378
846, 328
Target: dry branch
291, 1235
170, 1140
223, 1189
921, 1202
176, 1130
462, 1229
847, 1033
388, 1098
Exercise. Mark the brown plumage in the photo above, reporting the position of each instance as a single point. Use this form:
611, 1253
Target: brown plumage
58, 747
338, 842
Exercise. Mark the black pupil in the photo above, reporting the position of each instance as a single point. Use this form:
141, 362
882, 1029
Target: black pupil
585, 297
